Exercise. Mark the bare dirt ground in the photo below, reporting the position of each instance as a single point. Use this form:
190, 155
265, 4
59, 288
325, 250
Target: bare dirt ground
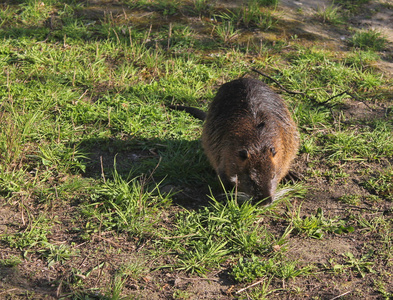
36, 278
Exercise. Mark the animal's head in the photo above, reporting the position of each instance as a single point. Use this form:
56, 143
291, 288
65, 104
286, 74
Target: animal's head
253, 170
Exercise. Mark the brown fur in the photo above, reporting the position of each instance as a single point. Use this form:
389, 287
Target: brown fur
250, 138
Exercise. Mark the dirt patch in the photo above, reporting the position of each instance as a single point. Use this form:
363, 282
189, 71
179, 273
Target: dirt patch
319, 252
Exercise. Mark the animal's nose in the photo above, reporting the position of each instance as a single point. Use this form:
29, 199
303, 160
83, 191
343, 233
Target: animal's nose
266, 198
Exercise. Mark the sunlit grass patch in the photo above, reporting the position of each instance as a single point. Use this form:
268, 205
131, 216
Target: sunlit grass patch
352, 145
381, 184
127, 205
317, 226
204, 238
368, 40
248, 270
330, 14
34, 235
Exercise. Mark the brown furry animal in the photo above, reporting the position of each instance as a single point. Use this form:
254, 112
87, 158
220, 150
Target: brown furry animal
249, 137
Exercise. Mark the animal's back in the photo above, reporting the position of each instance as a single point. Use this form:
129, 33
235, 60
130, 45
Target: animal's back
250, 137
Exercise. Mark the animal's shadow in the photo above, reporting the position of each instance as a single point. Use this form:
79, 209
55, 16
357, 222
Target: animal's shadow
178, 166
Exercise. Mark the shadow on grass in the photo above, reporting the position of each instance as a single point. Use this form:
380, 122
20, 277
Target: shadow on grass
176, 165
16, 284
101, 20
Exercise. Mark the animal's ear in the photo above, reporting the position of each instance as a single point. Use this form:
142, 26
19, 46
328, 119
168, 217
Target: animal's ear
243, 154
261, 125
273, 151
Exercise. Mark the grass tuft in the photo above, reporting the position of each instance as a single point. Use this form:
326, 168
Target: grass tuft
368, 40
127, 205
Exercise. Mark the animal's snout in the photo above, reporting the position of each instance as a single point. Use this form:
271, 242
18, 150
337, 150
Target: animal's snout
265, 198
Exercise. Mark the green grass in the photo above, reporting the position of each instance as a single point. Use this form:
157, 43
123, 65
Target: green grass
105, 187
33, 235
368, 40
382, 184
226, 31
254, 268
10, 262
128, 205
217, 231
352, 6
330, 14
359, 266
317, 226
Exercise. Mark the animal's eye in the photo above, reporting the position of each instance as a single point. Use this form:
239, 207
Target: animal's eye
261, 125
273, 151
243, 154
